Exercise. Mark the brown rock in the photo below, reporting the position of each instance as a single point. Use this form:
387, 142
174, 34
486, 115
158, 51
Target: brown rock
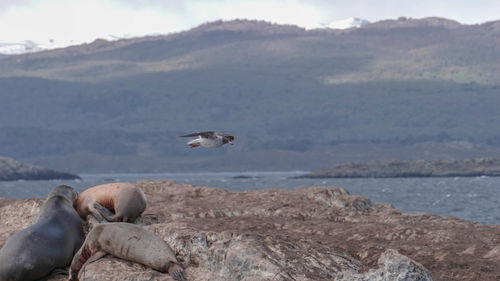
312, 233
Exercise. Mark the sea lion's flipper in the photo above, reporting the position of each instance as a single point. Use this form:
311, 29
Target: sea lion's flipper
57, 271
96, 212
103, 210
177, 272
106, 213
102, 213
96, 256
81, 259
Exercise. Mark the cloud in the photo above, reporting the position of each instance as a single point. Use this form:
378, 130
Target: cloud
90, 19
464, 11
6, 5
86, 20
83, 20
164, 5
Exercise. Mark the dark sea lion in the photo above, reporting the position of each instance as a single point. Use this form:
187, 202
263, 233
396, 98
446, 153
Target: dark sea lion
126, 200
129, 242
49, 244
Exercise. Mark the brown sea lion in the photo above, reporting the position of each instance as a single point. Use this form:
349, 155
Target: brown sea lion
126, 200
129, 242
47, 245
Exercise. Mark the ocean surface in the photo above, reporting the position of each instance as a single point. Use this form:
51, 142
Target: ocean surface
474, 198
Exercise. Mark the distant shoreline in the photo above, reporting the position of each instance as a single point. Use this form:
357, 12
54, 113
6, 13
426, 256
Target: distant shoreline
12, 170
411, 168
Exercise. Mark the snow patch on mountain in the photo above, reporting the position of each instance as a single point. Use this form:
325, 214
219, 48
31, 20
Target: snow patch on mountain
29, 46
351, 22
26, 46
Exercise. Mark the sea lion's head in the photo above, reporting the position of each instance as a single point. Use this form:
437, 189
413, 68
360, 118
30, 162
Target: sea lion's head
65, 191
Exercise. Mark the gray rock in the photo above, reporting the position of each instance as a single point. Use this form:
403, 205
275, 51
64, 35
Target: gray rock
392, 267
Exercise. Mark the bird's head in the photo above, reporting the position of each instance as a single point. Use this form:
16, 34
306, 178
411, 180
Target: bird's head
229, 139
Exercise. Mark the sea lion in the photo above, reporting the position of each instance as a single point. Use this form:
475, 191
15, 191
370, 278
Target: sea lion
129, 242
126, 200
48, 244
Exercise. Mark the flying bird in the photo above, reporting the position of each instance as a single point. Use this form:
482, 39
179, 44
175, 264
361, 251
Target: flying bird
209, 139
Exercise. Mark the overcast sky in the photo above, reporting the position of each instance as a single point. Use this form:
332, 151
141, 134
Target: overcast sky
85, 20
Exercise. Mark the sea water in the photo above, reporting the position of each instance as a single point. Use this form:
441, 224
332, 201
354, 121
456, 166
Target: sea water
471, 198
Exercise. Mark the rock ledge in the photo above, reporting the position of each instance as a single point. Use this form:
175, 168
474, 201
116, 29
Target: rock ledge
311, 233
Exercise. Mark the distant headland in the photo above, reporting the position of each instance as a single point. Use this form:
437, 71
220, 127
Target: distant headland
412, 168
11, 170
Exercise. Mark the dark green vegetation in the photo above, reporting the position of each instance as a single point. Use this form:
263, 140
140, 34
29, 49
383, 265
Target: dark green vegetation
295, 99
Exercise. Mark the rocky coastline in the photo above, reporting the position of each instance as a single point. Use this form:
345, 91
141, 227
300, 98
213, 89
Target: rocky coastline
11, 170
412, 168
311, 233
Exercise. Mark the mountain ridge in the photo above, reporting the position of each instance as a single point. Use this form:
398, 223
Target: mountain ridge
239, 25
217, 42
428, 85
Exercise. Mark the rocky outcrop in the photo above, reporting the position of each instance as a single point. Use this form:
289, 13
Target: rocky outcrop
11, 169
311, 233
412, 168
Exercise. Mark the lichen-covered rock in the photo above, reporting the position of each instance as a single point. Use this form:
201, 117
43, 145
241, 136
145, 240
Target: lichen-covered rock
311, 233
392, 267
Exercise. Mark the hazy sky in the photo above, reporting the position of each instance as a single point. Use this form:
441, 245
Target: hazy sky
85, 20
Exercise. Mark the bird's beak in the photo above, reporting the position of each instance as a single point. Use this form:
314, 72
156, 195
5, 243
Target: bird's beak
231, 143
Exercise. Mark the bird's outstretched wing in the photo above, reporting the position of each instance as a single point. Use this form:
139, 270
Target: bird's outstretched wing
206, 134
